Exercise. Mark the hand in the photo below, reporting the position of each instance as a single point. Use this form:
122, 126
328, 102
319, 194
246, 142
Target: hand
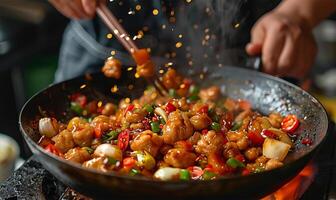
286, 46
76, 9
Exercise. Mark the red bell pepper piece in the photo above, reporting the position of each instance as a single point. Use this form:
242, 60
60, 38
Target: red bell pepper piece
80, 99
141, 56
268, 133
53, 149
204, 109
170, 108
255, 138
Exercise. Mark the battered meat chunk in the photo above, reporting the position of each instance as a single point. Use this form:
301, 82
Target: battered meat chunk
180, 158
211, 142
77, 155
147, 141
64, 141
210, 94
177, 128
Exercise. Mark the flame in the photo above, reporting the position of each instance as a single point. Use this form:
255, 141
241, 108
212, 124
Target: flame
295, 188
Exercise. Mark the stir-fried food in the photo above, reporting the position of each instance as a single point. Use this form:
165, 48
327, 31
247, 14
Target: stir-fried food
192, 134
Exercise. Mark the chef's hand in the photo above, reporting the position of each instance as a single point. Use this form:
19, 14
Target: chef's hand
76, 9
287, 47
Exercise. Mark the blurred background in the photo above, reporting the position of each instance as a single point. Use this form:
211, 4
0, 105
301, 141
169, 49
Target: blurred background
30, 38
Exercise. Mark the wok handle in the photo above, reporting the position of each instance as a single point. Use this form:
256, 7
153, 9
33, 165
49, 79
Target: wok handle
255, 63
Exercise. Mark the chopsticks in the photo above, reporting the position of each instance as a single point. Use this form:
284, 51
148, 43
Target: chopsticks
112, 22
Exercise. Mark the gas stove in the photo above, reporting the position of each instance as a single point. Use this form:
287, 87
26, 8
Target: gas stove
32, 181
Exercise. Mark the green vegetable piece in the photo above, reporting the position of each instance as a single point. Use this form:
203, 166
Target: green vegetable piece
172, 93
149, 108
193, 98
236, 126
184, 175
215, 126
110, 136
111, 161
207, 175
134, 172
258, 170
234, 163
162, 121
89, 150
214, 117
194, 90
76, 108
155, 126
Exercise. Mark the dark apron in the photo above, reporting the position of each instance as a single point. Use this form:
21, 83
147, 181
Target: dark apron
85, 45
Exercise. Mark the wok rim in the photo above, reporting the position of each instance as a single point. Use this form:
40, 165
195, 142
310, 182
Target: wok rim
112, 174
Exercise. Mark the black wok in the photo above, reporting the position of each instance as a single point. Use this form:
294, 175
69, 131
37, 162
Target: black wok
265, 93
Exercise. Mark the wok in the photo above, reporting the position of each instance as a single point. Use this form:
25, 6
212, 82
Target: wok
266, 94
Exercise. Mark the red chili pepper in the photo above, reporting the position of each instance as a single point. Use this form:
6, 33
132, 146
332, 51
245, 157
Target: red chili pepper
130, 108
79, 98
146, 124
268, 133
54, 150
307, 141
98, 131
204, 131
240, 157
170, 108
204, 109
123, 140
155, 118
255, 138
245, 172
195, 172
290, 123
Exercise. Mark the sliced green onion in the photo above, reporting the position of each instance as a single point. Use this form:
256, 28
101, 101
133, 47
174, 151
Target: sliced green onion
194, 90
110, 136
172, 93
76, 108
193, 98
184, 175
214, 117
111, 161
215, 126
236, 125
134, 172
149, 108
155, 126
207, 175
89, 150
234, 163
258, 170
162, 121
